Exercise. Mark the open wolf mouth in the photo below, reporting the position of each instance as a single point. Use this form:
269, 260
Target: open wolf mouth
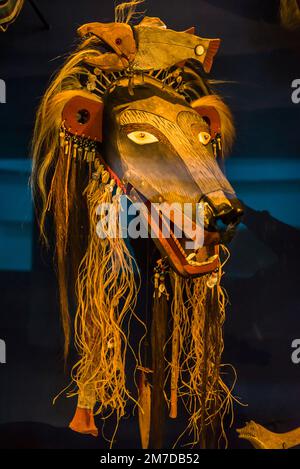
184, 255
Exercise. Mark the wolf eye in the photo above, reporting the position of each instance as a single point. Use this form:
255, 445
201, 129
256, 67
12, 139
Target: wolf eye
204, 138
142, 138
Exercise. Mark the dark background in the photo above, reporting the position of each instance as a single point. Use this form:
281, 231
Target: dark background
258, 60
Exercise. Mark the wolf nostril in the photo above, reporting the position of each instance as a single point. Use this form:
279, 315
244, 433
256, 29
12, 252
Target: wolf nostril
222, 213
238, 209
233, 217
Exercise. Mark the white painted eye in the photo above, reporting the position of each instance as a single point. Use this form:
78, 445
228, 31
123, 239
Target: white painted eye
204, 138
142, 138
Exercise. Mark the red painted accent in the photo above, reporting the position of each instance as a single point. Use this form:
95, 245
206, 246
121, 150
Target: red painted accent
212, 115
170, 247
118, 180
213, 48
91, 129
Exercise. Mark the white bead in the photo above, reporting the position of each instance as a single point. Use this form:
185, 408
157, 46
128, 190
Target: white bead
199, 50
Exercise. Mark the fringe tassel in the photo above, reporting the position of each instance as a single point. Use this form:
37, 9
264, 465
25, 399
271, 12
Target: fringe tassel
198, 311
106, 293
144, 403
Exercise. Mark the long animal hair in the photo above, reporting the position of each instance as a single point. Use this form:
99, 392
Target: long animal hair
54, 181
290, 14
195, 371
102, 271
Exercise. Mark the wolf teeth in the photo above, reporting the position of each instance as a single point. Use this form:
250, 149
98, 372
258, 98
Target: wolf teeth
199, 264
191, 256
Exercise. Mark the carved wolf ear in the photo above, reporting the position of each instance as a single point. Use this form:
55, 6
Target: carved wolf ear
219, 118
83, 117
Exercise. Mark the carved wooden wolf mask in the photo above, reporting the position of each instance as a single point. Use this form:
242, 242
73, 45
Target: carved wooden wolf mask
158, 130
130, 113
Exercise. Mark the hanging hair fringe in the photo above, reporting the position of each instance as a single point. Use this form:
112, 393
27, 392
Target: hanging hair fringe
106, 286
195, 370
106, 292
126, 12
53, 188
